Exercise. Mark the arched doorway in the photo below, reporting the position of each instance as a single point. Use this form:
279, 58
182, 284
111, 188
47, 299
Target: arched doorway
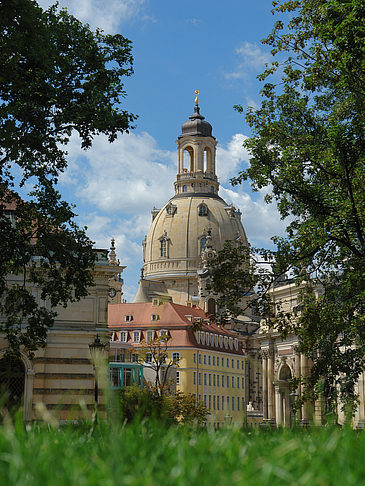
12, 381
282, 398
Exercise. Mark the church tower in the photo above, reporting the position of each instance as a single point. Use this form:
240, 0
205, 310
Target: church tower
174, 248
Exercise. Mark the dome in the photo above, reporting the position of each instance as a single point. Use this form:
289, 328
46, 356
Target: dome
177, 234
196, 125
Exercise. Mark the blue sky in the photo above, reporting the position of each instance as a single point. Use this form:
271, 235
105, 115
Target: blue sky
178, 47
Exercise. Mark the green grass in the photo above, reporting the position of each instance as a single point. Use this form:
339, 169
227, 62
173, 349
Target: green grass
153, 454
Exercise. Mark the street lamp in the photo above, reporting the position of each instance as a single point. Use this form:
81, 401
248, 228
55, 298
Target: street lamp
97, 349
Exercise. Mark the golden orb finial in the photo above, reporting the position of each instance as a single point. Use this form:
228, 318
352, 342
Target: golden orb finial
196, 92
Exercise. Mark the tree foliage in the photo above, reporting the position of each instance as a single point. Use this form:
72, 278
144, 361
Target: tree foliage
155, 353
307, 152
57, 77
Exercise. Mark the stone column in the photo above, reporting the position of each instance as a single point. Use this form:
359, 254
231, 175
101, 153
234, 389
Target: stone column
298, 415
361, 411
304, 371
270, 388
278, 406
264, 386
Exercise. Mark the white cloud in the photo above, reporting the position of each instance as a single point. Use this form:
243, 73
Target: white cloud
250, 56
230, 157
124, 176
98, 13
260, 220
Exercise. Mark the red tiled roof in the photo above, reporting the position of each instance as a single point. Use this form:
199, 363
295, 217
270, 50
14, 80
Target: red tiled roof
173, 317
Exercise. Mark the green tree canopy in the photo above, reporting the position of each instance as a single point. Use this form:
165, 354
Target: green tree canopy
307, 152
56, 77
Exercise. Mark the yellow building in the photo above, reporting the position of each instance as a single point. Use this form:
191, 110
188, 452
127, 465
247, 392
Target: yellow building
211, 361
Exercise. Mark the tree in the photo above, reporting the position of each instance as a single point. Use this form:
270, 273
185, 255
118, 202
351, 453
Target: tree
57, 77
155, 354
307, 152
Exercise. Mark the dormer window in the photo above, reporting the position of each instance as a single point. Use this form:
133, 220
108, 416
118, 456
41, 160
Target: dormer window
155, 317
203, 210
171, 209
128, 318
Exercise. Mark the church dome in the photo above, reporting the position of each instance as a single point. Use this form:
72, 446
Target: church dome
178, 232
193, 225
196, 125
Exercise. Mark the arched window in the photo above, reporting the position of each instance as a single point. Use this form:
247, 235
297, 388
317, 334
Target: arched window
188, 159
203, 210
185, 188
211, 306
212, 189
203, 242
163, 248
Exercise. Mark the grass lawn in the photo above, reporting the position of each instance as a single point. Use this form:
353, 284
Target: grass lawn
155, 454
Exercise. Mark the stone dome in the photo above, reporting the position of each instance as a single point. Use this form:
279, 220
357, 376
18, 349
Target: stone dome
196, 125
177, 234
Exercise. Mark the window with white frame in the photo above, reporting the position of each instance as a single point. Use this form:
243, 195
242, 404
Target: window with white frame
212, 339
124, 336
134, 358
176, 357
149, 336
197, 335
163, 247
128, 318
163, 333
136, 336
216, 340
199, 379
236, 343
230, 343
203, 337
221, 341
149, 358
225, 341
155, 317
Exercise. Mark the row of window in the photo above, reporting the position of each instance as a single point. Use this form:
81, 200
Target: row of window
165, 241
137, 336
213, 379
210, 339
219, 361
129, 317
222, 402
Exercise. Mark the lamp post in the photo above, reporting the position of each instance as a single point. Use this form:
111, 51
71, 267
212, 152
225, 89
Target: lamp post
97, 349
